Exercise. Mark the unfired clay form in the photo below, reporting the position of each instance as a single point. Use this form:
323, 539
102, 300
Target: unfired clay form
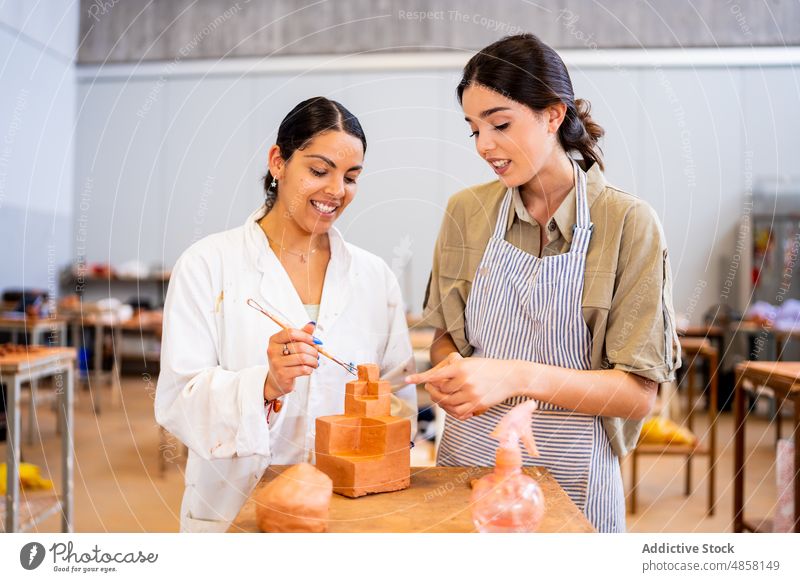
366, 449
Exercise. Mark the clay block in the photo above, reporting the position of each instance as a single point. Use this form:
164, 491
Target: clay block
369, 395
297, 500
365, 450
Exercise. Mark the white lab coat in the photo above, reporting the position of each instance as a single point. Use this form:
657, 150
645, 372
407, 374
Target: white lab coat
213, 361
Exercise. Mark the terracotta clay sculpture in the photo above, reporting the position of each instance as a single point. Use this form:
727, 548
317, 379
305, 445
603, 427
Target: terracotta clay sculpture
295, 501
366, 449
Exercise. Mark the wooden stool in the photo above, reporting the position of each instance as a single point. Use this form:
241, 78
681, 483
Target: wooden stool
693, 348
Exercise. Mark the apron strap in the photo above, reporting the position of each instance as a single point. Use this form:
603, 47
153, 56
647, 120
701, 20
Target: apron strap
582, 231
581, 199
502, 219
581, 202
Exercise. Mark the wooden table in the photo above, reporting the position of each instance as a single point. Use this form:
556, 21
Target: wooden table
692, 348
29, 366
137, 324
704, 331
714, 333
781, 336
437, 501
35, 331
784, 379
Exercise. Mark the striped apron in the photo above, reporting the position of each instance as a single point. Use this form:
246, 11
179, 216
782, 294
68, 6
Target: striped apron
525, 307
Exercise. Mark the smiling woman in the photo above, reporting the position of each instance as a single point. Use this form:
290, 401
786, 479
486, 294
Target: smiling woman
223, 369
316, 117
313, 169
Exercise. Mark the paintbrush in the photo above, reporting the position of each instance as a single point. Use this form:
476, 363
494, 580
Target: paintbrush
349, 367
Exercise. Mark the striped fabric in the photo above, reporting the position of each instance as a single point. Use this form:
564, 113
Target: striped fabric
524, 307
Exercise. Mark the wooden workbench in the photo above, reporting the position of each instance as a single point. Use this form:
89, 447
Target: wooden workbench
437, 501
784, 379
28, 364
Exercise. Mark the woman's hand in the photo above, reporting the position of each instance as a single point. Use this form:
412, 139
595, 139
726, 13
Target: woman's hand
468, 387
450, 358
301, 359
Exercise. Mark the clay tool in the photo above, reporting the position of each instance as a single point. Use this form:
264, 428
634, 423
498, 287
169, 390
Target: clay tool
349, 367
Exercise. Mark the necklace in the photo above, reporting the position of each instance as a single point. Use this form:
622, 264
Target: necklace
304, 256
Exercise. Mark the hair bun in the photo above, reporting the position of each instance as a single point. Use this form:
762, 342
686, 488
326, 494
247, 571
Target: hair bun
584, 109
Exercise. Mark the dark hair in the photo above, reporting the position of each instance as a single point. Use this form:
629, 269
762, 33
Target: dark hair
528, 71
303, 123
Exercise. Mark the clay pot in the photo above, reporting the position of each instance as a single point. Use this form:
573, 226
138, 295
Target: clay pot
297, 500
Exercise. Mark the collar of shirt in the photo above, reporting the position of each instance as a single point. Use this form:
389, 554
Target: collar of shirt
260, 251
278, 291
565, 215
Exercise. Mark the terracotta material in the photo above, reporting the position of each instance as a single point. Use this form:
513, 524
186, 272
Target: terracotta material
298, 500
19, 350
366, 449
14, 358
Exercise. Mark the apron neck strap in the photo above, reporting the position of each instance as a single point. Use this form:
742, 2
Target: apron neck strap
583, 219
502, 218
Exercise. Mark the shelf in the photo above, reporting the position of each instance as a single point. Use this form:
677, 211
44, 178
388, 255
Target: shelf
155, 278
34, 508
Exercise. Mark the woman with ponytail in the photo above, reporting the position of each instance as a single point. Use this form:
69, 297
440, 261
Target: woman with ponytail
225, 367
548, 284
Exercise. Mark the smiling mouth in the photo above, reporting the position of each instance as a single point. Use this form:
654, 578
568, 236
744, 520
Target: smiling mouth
324, 207
500, 163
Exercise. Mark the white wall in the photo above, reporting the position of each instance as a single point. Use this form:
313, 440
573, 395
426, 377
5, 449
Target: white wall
37, 77
174, 158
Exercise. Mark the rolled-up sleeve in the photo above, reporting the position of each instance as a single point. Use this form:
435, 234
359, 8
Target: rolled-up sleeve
641, 337
452, 273
433, 309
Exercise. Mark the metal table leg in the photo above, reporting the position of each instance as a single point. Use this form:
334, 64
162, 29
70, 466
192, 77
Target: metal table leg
13, 388
32, 420
66, 394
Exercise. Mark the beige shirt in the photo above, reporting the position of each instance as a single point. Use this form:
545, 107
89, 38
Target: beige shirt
627, 290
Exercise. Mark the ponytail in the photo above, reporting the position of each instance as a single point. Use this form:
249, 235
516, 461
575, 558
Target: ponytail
579, 132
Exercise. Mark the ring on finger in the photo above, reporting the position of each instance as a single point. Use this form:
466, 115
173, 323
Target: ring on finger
286, 350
